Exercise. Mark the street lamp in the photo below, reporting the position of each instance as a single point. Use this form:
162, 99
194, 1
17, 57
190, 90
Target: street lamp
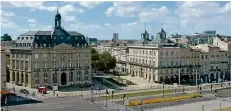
124, 97
107, 93
163, 89
81, 93
92, 99
112, 93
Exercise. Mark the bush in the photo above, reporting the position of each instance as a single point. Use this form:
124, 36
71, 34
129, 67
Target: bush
160, 100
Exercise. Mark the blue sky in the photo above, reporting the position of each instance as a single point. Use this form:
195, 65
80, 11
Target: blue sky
102, 19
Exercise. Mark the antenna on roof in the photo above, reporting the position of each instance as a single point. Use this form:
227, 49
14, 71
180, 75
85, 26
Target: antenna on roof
144, 26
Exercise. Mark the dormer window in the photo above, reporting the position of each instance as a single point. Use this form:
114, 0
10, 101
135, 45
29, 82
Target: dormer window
24, 44
44, 37
18, 37
31, 37
76, 38
22, 38
26, 37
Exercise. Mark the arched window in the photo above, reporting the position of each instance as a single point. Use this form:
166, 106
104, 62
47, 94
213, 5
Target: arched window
55, 78
71, 77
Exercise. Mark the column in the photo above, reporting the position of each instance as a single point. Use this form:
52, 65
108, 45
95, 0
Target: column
19, 62
11, 61
11, 76
20, 77
24, 78
67, 79
15, 77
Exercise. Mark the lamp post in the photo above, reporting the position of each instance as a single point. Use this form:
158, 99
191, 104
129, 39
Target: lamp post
124, 98
163, 89
81, 93
112, 93
196, 80
107, 93
92, 99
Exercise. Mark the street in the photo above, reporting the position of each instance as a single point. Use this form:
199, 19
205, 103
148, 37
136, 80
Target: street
60, 104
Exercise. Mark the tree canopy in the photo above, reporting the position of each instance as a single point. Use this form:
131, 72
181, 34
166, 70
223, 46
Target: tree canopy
102, 62
6, 37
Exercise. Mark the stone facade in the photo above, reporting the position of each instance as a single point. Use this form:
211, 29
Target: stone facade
47, 58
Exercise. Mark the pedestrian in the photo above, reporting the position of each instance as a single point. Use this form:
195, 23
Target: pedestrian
53, 92
57, 95
14, 89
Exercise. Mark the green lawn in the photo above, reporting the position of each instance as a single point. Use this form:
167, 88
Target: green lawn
224, 109
137, 94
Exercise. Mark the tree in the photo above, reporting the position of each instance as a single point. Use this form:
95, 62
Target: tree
102, 62
6, 37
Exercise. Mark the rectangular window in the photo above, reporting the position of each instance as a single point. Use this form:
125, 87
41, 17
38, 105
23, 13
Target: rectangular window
86, 78
36, 65
78, 79
62, 65
45, 81
45, 55
70, 64
54, 64
37, 81
36, 56
78, 64
45, 64
45, 74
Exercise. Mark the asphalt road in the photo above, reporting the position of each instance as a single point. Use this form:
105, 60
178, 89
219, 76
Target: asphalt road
60, 104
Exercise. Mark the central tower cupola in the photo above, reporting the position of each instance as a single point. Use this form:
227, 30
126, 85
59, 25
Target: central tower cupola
57, 20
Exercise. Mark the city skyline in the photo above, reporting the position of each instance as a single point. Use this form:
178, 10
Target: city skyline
125, 18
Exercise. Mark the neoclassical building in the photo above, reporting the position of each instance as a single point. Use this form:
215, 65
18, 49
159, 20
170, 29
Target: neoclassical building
47, 58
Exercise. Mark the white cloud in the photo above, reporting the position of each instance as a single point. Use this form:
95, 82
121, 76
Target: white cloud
7, 14
5, 23
124, 9
227, 7
154, 14
69, 8
69, 18
30, 4
199, 16
32, 20
107, 24
131, 24
90, 4
32, 25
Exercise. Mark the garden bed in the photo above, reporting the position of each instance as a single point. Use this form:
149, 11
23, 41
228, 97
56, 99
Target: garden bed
160, 100
139, 94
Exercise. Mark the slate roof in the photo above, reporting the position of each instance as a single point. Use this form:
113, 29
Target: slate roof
33, 33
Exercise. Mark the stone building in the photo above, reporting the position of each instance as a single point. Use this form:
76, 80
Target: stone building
3, 69
47, 58
162, 60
